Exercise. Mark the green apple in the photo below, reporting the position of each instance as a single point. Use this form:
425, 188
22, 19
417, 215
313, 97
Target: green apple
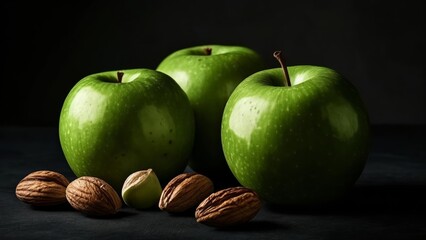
118, 122
298, 138
208, 74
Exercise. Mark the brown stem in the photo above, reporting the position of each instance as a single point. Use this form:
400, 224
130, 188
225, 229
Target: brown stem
278, 56
208, 51
120, 76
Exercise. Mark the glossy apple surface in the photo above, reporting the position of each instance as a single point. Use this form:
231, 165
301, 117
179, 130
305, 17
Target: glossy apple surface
208, 75
298, 145
110, 128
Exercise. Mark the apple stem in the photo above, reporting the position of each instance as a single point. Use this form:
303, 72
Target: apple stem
279, 57
208, 51
120, 76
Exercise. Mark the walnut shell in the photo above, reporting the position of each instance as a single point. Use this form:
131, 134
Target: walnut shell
93, 196
228, 207
42, 188
185, 191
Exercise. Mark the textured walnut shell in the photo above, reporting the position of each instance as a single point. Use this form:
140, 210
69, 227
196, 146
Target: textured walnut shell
93, 196
228, 207
184, 192
42, 188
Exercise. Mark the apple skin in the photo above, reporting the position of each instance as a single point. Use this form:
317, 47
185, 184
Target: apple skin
110, 130
301, 145
208, 80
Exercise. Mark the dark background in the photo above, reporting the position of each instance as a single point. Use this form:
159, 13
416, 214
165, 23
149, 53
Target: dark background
379, 45
48, 47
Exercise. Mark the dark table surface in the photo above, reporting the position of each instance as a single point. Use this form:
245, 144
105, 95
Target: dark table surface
387, 202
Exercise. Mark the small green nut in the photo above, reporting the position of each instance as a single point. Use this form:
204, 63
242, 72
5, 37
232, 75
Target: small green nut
141, 190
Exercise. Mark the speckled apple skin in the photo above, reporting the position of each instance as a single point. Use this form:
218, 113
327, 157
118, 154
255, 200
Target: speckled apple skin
299, 145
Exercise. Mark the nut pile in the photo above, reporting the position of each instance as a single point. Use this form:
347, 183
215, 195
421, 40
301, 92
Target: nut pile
93, 196
89, 195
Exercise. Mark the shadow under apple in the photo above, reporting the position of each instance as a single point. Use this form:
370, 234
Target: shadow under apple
362, 199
